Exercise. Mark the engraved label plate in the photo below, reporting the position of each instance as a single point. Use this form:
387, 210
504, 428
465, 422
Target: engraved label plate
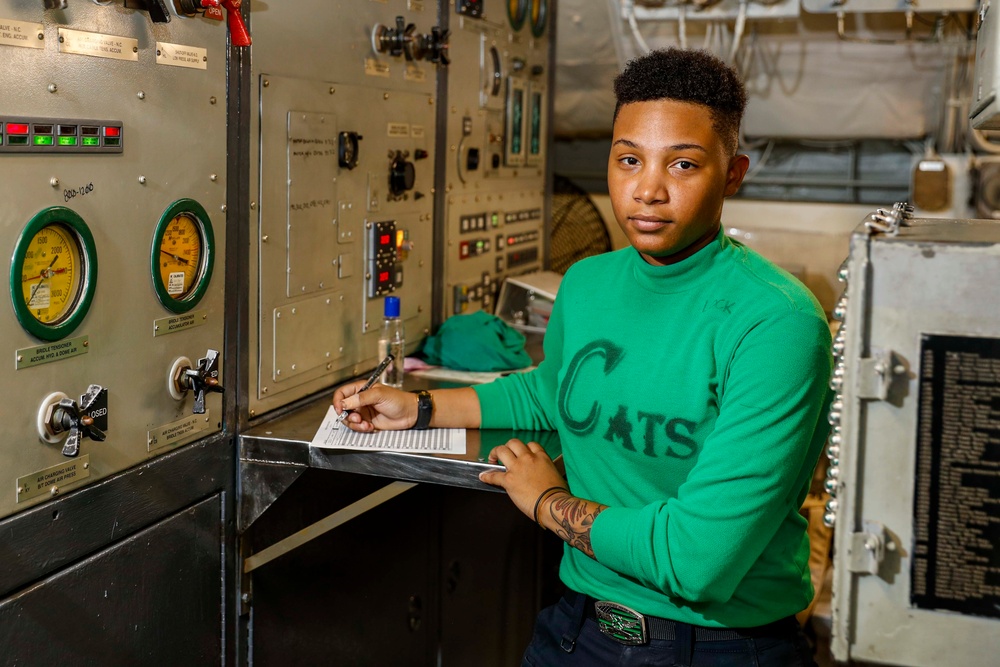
176, 432
50, 481
95, 44
415, 5
417, 131
398, 130
178, 55
43, 354
414, 73
375, 68
175, 323
22, 33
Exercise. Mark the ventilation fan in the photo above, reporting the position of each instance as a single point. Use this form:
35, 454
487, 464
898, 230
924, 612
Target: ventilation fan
578, 229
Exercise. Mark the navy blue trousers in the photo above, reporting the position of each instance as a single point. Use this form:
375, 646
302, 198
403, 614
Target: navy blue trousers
565, 637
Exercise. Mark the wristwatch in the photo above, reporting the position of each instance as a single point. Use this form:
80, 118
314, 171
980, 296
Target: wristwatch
425, 407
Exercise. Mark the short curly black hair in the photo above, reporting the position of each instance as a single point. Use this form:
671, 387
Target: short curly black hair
686, 76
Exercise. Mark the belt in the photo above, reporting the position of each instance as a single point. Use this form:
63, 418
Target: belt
629, 627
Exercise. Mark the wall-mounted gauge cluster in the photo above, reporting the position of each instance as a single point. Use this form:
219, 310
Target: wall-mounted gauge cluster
495, 218
53, 273
533, 12
182, 256
103, 168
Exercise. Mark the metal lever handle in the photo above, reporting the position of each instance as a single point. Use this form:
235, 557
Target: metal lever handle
238, 32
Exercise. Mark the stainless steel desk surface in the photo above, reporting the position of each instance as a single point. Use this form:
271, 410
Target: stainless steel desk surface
273, 454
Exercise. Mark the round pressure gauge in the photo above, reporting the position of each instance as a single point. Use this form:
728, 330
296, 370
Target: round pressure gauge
539, 16
517, 12
182, 255
53, 273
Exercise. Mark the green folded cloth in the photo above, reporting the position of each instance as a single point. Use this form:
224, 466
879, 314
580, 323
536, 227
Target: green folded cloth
476, 342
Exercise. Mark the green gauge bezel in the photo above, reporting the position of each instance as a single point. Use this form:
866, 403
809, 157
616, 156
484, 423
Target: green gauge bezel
538, 27
517, 22
55, 215
204, 275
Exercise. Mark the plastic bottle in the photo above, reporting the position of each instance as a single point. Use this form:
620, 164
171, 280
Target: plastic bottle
392, 340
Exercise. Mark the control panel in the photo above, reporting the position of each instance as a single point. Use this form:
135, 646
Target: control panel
113, 150
342, 188
496, 125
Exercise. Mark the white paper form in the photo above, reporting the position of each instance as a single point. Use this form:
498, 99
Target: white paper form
334, 435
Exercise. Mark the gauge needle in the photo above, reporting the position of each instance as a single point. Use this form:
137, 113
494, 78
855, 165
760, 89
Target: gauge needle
46, 273
175, 257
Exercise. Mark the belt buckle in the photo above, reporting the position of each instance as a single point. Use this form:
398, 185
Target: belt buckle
624, 625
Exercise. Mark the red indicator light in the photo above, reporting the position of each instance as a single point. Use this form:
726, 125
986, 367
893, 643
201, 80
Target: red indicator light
112, 131
17, 128
383, 277
510, 240
384, 239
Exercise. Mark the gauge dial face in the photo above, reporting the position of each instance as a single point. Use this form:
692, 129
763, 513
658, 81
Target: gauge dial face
517, 11
182, 255
539, 12
50, 276
53, 273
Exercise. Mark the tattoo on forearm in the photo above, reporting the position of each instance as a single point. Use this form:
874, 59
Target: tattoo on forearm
575, 517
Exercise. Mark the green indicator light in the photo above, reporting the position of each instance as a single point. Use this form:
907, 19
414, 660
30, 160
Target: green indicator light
17, 141
112, 142
91, 141
496, 219
43, 141
67, 141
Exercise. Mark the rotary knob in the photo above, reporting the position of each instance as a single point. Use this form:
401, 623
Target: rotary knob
402, 175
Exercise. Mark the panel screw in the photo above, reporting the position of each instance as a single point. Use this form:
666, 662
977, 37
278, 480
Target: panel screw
253, 205
142, 180
20, 358
54, 491
212, 100
266, 83
53, 87
141, 95
214, 177
54, 182
332, 90
263, 239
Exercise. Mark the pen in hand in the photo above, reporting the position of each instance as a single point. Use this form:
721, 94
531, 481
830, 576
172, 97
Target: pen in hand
372, 380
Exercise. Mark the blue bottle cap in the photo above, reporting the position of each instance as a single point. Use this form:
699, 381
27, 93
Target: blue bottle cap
392, 306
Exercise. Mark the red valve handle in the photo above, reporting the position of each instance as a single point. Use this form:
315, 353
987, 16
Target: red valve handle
237, 28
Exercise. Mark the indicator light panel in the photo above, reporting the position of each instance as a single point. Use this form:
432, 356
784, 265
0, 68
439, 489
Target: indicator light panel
60, 135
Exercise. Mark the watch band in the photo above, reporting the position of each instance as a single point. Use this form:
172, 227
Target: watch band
425, 407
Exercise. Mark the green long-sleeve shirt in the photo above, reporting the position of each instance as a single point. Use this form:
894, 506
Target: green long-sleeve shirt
691, 400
